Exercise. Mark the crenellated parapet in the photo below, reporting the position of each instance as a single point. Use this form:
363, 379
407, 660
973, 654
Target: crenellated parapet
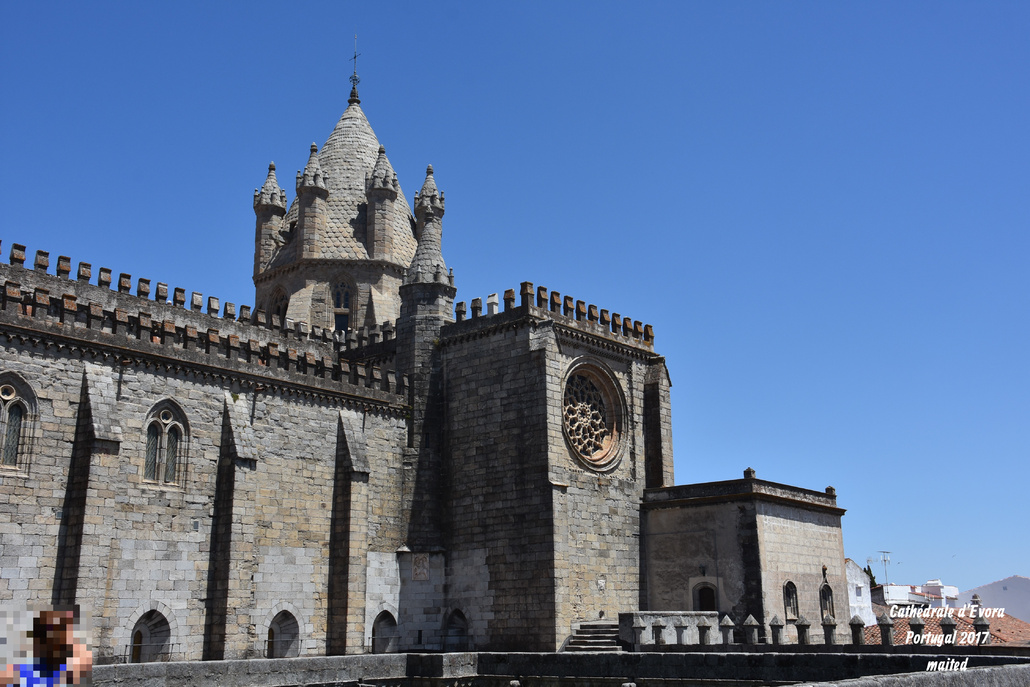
370, 345
139, 320
574, 316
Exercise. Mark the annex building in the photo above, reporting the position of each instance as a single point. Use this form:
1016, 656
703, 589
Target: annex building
360, 463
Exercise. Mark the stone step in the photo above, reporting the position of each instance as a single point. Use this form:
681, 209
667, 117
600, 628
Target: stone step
593, 641
596, 637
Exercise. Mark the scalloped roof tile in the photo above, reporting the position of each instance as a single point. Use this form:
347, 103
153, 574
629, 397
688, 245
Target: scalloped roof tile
348, 158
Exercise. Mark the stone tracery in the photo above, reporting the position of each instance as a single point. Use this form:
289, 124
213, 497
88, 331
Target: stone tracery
586, 417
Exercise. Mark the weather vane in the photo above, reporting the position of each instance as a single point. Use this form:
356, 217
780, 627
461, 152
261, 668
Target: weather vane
354, 80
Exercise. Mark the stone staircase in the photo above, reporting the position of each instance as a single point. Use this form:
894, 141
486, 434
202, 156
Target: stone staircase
595, 636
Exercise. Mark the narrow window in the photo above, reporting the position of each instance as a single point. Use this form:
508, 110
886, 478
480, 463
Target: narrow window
341, 307
790, 601
826, 601
171, 453
278, 304
153, 438
12, 434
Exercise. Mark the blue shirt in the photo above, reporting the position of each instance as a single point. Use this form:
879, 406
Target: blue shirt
34, 675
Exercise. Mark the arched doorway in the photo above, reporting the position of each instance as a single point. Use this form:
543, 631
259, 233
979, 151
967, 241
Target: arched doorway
456, 633
151, 638
283, 640
384, 634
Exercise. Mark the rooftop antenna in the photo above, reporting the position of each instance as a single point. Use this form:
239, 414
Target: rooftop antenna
885, 558
354, 80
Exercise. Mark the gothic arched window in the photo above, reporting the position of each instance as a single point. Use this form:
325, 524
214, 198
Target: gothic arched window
165, 454
278, 305
342, 294
790, 601
826, 601
16, 411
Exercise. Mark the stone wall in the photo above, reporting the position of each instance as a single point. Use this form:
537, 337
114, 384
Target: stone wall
805, 547
596, 511
686, 548
747, 538
270, 426
500, 500
560, 536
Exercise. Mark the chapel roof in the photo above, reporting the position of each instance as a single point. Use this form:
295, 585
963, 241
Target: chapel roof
347, 158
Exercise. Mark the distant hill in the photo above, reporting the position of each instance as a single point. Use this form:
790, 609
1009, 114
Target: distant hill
1012, 594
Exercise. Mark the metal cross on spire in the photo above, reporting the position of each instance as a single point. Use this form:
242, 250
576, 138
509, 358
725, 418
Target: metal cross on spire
354, 80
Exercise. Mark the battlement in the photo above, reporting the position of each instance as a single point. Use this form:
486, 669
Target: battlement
180, 328
566, 311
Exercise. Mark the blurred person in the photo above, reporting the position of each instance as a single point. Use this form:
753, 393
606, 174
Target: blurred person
59, 656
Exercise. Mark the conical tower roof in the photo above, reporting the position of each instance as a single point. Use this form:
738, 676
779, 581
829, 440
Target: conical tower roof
347, 159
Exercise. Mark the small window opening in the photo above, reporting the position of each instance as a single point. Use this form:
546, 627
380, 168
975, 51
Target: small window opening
706, 598
341, 307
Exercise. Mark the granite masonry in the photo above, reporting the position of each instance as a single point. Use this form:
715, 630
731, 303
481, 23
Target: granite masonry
360, 464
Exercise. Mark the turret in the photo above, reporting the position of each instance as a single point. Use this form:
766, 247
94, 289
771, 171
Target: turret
312, 216
381, 189
428, 266
427, 301
269, 208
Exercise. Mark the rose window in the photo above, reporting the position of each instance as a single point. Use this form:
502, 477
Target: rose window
586, 413
591, 417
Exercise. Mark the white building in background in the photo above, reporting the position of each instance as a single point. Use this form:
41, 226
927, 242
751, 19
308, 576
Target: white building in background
947, 594
932, 594
860, 597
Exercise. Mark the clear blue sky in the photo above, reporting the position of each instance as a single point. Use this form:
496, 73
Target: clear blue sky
821, 207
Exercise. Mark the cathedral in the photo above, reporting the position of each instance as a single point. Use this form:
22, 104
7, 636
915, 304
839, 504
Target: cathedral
360, 463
